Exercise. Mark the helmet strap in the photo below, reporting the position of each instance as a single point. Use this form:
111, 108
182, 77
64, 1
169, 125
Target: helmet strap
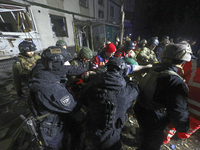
181, 71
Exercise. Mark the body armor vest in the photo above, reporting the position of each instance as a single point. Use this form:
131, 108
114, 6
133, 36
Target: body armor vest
148, 85
103, 109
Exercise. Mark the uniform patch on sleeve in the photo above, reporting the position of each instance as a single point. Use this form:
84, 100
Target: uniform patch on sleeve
55, 51
65, 101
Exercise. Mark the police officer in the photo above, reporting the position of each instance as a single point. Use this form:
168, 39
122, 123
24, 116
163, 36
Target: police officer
163, 97
146, 54
108, 97
49, 99
23, 64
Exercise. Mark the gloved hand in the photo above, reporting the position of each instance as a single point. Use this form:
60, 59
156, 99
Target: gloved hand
20, 93
130, 69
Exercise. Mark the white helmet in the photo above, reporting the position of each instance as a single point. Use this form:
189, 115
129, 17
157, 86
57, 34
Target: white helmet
180, 51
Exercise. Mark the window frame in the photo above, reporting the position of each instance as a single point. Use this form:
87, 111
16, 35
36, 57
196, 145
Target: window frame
58, 31
84, 3
113, 11
21, 19
100, 11
101, 2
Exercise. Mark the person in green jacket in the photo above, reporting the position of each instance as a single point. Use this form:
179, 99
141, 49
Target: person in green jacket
23, 64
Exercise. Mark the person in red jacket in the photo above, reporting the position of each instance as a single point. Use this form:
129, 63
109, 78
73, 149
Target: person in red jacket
104, 56
191, 73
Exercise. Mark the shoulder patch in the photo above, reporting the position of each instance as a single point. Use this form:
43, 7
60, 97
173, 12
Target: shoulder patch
65, 101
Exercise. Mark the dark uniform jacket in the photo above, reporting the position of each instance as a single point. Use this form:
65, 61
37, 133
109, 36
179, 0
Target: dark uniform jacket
113, 87
158, 50
169, 105
49, 90
171, 94
50, 100
125, 92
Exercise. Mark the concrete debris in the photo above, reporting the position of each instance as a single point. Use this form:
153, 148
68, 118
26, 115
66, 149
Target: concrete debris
178, 148
185, 145
166, 147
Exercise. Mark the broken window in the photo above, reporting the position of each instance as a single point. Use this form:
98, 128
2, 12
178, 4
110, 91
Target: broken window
84, 3
101, 2
15, 19
101, 14
112, 11
59, 26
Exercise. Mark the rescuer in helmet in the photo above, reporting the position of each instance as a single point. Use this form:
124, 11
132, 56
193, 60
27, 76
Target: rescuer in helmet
146, 54
142, 44
63, 44
126, 50
82, 61
50, 100
108, 97
163, 97
23, 64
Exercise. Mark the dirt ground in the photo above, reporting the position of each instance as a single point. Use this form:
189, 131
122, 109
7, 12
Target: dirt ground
130, 138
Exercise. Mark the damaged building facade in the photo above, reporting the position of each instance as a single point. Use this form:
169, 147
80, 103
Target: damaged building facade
79, 23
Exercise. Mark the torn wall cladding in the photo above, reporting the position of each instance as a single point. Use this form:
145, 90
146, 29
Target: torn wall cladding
15, 19
16, 24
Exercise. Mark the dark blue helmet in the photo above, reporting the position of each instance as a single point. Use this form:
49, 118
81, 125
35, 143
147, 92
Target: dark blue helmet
153, 41
54, 57
116, 62
129, 45
26, 46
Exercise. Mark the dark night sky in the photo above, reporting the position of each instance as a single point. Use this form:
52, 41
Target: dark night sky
170, 17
